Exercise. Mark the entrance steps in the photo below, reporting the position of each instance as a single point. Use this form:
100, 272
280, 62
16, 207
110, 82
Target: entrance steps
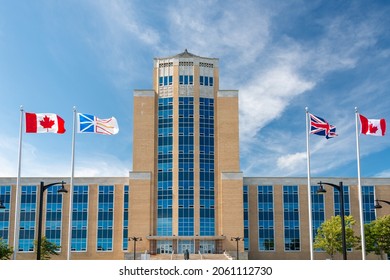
192, 257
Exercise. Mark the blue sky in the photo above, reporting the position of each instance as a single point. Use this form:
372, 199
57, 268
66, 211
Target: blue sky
282, 56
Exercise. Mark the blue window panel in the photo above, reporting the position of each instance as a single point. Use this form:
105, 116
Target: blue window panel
186, 166
160, 81
206, 81
105, 221
186, 80
53, 215
368, 204
291, 218
201, 80
165, 80
246, 218
79, 219
347, 205
27, 225
211, 81
5, 197
164, 165
206, 162
181, 79
265, 218
317, 209
170, 80
191, 80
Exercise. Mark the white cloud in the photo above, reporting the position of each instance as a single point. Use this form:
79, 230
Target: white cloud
266, 98
292, 162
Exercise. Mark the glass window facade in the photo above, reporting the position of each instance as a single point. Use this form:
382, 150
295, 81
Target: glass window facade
28, 209
53, 224
206, 81
317, 209
368, 193
266, 226
165, 81
186, 166
125, 217
186, 79
80, 218
105, 219
246, 218
206, 162
292, 240
5, 198
165, 163
347, 204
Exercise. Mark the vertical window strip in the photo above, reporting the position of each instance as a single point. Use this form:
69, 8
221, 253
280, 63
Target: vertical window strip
28, 209
80, 218
266, 220
186, 166
105, 221
291, 221
206, 161
53, 221
125, 217
165, 164
368, 193
5, 197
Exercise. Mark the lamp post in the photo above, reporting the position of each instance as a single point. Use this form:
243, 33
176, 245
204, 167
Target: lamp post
342, 212
135, 239
42, 189
377, 205
236, 239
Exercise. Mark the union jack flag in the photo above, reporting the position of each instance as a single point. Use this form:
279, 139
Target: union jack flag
91, 124
321, 127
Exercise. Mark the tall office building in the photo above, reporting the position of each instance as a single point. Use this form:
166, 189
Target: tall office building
186, 179
186, 190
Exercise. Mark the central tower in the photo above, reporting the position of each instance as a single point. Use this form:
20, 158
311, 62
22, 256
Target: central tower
186, 183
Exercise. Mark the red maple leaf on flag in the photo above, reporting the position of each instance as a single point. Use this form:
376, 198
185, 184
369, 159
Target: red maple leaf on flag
47, 123
372, 128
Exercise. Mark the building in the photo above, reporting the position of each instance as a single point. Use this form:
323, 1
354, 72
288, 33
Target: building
186, 190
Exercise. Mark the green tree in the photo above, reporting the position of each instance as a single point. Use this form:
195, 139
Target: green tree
47, 248
377, 236
5, 250
329, 236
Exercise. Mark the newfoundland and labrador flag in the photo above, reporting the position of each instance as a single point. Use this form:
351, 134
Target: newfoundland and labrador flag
87, 123
321, 127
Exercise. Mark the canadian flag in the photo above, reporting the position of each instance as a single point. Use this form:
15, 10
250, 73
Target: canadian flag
376, 127
44, 123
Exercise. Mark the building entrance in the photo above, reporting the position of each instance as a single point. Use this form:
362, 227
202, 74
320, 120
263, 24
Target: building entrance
186, 245
164, 247
207, 247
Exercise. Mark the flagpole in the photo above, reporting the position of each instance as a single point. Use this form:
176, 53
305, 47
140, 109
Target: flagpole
71, 187
360, 187
18, 189
309, 184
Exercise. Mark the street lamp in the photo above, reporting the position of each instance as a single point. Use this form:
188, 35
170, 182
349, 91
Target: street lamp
377, 205
42, 189
2, 206
342, 212
236, 239
135, 239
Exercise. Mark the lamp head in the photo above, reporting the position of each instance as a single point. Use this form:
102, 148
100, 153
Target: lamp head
2, 206
62, 190
377, 205
321, 190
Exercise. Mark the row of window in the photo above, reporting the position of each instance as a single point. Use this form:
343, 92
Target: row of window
186, 80
266, 224
291, 219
